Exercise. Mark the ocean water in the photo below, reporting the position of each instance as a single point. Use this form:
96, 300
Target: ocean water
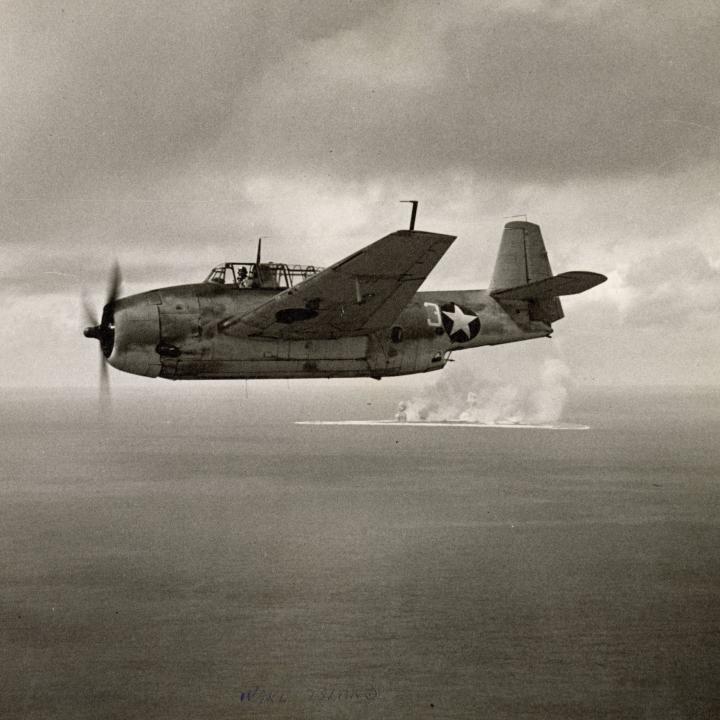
196, 554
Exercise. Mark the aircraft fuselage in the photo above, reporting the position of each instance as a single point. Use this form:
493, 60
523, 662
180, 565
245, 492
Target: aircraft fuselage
169, 333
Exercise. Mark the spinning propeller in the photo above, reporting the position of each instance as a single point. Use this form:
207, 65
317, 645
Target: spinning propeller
104, 331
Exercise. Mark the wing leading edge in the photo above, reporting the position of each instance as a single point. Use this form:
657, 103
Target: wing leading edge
363, 293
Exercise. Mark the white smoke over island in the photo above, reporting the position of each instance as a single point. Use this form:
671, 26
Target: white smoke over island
467, 397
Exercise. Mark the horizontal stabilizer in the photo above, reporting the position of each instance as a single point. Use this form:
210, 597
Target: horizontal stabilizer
568, 283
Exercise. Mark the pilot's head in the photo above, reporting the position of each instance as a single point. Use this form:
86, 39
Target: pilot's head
243, 272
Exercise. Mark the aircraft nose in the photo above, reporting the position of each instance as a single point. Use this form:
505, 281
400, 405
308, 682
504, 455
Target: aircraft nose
136, 331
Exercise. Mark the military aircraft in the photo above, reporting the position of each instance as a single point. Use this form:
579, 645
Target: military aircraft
361, 317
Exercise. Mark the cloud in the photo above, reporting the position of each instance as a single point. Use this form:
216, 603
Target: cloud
528, 93
678, 287
100, 91
538, 91
171, 135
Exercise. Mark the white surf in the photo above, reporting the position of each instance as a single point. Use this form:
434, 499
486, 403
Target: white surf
451, 423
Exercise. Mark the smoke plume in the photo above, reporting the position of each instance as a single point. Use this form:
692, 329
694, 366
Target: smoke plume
466, 397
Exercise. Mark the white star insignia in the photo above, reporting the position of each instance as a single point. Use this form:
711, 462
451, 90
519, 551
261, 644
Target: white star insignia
460, 321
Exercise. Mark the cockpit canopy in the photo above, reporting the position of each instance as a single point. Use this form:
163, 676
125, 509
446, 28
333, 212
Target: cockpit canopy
273, 276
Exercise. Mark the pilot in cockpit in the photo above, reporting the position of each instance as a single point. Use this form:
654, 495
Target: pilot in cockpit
242, 278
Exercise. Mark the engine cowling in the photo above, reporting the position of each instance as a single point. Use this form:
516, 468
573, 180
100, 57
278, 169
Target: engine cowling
136, 336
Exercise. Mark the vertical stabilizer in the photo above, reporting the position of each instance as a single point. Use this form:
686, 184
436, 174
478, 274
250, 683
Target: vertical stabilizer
522, 259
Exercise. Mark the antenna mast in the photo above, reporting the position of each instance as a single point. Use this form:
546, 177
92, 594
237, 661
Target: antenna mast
413, 213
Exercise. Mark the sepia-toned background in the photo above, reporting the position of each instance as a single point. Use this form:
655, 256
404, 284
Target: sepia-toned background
189, 551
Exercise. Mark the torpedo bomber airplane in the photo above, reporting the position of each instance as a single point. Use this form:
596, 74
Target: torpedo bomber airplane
361, 317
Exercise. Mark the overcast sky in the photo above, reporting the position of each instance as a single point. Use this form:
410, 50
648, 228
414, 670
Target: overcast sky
170, 135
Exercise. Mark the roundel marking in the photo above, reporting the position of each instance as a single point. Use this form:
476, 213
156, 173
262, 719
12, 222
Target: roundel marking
460, 324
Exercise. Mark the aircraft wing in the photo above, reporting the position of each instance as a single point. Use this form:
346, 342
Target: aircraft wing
360, 294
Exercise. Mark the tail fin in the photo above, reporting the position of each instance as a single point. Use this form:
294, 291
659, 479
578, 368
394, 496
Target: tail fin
522, 273
522, 258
